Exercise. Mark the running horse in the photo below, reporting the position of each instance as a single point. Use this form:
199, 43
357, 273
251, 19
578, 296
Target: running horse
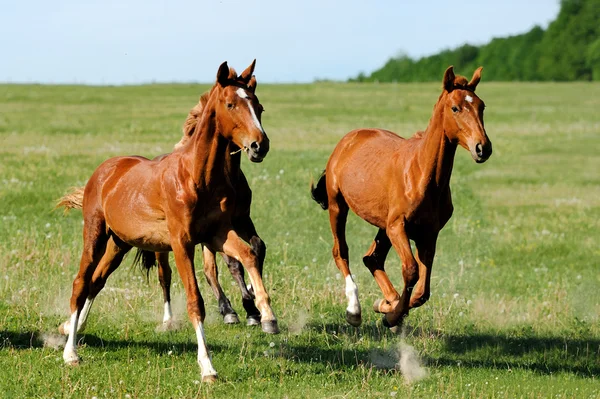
173, 204
241, 221
401, 186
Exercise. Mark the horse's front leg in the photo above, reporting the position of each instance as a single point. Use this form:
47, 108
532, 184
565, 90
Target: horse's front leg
233, 246
183, 249
374, 260
410, 271
425, 255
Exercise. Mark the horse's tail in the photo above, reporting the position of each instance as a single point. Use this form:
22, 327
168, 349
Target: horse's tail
72, 200
145, 260
319, 192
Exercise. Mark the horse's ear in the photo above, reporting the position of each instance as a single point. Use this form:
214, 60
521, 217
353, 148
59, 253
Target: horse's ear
448, 81
252, 84
247, 74
223, 74
475, 79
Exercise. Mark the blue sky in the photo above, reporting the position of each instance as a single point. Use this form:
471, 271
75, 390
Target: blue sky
135, 41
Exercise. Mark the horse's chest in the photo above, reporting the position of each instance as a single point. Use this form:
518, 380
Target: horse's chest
209, 218
431, 213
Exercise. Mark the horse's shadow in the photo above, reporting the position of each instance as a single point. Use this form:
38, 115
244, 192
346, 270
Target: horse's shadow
540, 354
36, 340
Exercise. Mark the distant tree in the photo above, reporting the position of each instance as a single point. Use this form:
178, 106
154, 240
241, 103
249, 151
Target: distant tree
568, 50
593, 59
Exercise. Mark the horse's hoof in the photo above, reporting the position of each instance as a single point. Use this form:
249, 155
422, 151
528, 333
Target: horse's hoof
381, 306
209, 379
394, 327
231, 318
168, 325
253, 321
353, 319
270, 327
72, 360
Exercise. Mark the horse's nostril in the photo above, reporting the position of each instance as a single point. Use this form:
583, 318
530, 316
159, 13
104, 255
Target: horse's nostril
255, 146
479, 149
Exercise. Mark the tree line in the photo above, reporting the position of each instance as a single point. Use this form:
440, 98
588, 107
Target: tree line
568, 50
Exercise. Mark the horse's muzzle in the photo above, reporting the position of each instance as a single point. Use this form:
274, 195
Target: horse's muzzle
257, 151
481, 153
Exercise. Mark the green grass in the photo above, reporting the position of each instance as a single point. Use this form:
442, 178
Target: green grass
515, 307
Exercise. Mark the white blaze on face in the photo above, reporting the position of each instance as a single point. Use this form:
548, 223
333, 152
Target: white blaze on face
352, 295
203, 358
468, 98
243, 94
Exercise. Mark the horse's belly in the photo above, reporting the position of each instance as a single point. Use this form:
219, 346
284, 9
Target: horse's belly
366, 194
370, 204
151, 235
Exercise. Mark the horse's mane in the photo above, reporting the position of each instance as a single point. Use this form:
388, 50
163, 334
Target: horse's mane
192, 120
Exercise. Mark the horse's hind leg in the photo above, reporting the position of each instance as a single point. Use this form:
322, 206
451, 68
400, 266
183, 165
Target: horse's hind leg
112, 258
212, 277
164, 277
247, 232
338, 214
237, 271
94, 246
374, 260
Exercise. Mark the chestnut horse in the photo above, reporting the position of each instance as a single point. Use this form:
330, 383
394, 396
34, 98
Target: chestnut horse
173, 204
403, 188
243, 225
241, 220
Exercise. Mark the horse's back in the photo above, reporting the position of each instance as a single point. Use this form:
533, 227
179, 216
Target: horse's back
364, 146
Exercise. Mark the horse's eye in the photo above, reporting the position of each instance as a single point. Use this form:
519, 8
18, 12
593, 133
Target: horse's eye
454, 109
261, 108
229, 105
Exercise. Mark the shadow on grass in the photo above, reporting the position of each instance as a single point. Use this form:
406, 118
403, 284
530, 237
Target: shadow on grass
540, 354
35, 339
545, 355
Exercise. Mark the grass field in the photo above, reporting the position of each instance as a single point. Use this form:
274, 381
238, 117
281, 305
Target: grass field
515, 306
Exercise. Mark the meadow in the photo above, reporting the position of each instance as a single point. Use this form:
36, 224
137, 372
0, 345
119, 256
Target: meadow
515, 305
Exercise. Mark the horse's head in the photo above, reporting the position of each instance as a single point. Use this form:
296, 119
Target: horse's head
238, 111
462, 113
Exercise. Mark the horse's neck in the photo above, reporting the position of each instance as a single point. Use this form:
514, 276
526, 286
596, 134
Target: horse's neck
436, 152
209, 155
